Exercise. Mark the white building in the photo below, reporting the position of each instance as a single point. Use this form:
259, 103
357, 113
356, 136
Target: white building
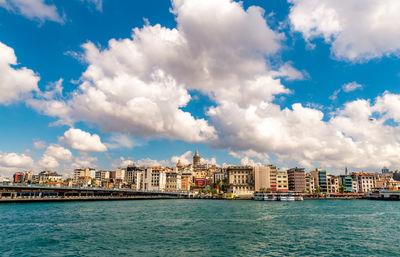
365, 181
84, 172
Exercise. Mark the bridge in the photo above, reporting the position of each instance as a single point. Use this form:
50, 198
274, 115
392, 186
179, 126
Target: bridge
30, 193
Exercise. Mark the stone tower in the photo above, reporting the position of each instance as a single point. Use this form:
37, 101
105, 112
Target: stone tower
196, 158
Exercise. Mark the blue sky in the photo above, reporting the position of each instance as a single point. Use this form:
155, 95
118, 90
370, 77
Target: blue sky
298, 83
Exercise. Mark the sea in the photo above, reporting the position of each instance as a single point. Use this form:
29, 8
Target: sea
201, 228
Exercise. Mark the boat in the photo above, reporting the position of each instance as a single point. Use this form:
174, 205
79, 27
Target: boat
263, 196
383, 194
277, 196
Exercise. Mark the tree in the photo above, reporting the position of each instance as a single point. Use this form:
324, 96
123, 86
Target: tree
342, 189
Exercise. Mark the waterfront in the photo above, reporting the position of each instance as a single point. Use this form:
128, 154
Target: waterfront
200, 227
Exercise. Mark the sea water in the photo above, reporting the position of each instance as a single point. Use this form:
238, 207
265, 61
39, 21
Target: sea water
201, 228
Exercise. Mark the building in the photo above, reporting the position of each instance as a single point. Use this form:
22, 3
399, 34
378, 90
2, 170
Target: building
84, 172
310, 183
46, 176
219, 177
240, 180
346, 182
282, 181
196, 158
273, 171
320, 180
365, 181
154, 179
262, 178
332, 184
102, 175
19, 177
173, 181
296, 179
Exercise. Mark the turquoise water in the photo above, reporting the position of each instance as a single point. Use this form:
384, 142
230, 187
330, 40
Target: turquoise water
200, 227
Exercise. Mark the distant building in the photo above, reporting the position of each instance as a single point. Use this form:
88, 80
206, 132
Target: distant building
265, 177
320, 180
282, 181
332, 184
154, 179
46, 176
346, 182
84, 172
240, 180
296, 179
365, 181
310, 183
19, 177
196, 158
173, 181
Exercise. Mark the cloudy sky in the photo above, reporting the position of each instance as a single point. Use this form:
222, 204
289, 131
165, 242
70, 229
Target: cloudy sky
107, 83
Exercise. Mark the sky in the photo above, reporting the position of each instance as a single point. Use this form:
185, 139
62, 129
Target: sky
104, 83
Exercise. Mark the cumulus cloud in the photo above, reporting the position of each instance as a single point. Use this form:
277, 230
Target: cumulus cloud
15, 83
82, 141
138, 86
84, 161
15, 160
185, 158
358, 30
53, 154
33, 9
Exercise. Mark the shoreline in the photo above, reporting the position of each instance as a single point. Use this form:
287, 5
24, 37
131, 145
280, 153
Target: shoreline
87, 199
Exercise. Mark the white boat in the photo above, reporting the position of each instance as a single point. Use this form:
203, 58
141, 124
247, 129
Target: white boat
262, 196
277, 196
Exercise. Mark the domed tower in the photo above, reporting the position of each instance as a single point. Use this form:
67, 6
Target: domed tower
196, 158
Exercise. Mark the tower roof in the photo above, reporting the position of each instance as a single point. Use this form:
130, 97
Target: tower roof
197, 153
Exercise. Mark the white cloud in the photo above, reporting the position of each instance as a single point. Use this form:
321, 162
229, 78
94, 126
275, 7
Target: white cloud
185, 158
84, 161
33, 9
124, 162
53, 154
139, 85
15, 160
121, 141
48, 162
358, 30
59, 152
15, 83
82, 141
39, 144
351, 87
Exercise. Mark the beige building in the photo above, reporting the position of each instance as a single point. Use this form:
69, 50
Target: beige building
265, 177
240, 180
173, 181
282, 181
310, 183
332, 184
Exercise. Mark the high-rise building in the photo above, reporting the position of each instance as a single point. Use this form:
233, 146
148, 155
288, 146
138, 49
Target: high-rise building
196, 158
296, 179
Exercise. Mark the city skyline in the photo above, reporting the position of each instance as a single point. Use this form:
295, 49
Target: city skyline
105, 84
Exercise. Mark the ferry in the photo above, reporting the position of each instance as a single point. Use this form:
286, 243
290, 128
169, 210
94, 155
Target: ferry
383, 194
277, 196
